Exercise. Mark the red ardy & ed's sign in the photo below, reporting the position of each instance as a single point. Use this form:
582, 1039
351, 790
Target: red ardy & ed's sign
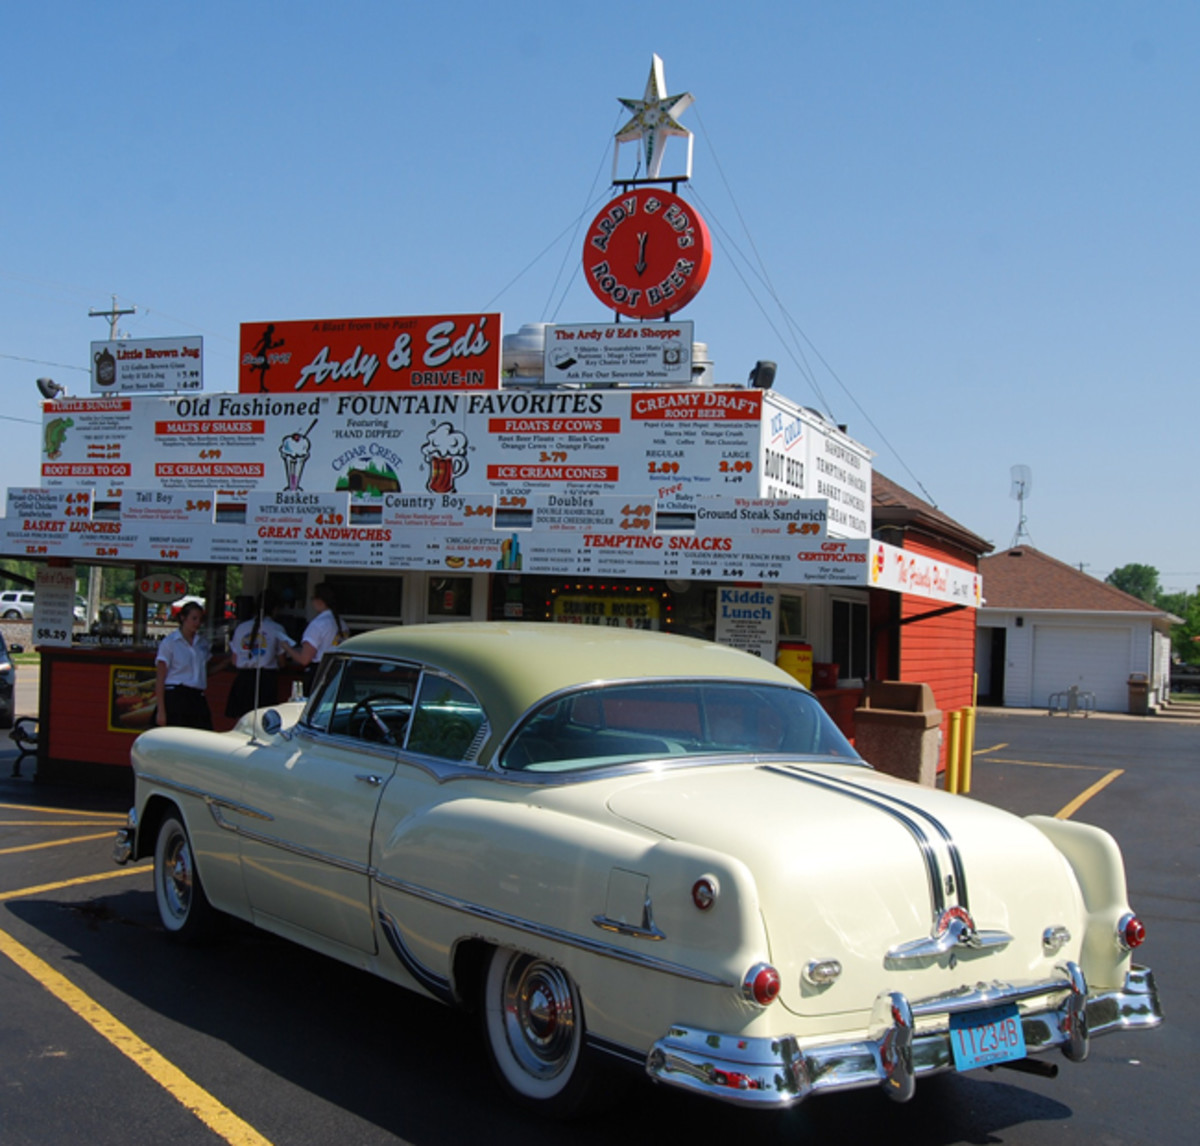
425, 352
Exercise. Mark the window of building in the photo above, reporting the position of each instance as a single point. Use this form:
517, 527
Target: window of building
851, 634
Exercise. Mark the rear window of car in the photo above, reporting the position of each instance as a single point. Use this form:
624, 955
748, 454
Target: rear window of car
618, 724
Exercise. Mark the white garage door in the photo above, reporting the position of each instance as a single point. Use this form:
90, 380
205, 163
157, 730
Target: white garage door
1097, 660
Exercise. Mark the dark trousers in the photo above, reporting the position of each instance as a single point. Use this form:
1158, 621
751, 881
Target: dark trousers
242, 695
187, 707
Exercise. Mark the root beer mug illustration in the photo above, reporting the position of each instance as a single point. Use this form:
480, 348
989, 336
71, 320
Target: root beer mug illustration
445, 453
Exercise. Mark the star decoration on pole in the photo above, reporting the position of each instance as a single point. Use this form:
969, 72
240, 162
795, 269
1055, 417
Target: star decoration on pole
654, 119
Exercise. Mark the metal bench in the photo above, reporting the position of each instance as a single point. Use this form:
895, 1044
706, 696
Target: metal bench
24, 735
1072, 700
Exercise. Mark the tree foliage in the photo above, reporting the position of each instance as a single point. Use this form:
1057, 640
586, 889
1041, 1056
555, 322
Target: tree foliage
1139, 581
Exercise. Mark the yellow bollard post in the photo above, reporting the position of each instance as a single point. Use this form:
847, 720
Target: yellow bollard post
952, 752
968, 748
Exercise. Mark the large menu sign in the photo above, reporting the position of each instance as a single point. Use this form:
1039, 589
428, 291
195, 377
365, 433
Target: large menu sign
671, 445
696, 483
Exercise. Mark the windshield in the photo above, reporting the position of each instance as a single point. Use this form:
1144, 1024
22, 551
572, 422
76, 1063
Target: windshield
617, 724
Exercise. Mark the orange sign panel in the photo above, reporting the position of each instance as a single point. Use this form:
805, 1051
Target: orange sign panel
450, 352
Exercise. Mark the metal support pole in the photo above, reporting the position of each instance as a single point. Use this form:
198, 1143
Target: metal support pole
952, 751
968, 748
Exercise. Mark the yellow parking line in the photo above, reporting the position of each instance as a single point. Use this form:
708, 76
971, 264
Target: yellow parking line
49, 823
1067, 812
77, 882
1043, 764
222, 1121
119, 816
55, 843
994, 748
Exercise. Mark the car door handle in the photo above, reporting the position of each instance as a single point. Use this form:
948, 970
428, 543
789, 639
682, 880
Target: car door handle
369, 778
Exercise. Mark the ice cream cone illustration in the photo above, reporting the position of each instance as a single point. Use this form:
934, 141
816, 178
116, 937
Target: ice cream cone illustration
294, 450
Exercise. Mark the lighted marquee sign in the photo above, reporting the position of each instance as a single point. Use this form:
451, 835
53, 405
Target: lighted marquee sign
647, 253
428, 352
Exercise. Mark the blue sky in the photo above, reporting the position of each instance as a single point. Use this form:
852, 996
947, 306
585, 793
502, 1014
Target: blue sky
969, 231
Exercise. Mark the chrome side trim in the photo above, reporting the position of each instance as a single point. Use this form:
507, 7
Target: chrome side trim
339, 862
552, 934
437, 985
778, 1072
933, 869
210, 798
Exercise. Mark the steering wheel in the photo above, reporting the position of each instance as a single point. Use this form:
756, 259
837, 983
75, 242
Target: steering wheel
371, 726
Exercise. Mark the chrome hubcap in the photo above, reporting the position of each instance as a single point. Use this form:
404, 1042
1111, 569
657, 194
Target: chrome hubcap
177, 877
539, 1016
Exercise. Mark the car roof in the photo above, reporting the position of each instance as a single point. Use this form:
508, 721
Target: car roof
511, 666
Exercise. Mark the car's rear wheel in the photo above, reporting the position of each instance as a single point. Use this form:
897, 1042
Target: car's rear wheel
12, 615
183, 905
533, 1023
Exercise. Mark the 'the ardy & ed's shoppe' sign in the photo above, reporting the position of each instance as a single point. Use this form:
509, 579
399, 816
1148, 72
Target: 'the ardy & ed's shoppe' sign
423, 352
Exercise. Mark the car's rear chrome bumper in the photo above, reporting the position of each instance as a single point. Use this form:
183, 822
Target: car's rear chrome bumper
906, 1038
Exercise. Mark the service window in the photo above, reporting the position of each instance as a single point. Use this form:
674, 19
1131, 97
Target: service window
448, 722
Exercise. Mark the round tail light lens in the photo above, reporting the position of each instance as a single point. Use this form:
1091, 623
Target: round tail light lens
1131, 931
761, 984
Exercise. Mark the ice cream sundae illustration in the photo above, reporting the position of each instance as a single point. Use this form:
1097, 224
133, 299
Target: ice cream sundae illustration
294, 450
445, 452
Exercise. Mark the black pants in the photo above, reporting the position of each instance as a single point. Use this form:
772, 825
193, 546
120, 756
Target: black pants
187, 707
242, 697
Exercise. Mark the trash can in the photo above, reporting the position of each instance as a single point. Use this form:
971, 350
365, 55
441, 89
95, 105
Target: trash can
897, 728
1139, 694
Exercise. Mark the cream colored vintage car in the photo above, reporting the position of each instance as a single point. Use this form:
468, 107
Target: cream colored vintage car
640, 848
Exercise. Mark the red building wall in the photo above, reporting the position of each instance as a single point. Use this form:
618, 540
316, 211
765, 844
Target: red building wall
939, 650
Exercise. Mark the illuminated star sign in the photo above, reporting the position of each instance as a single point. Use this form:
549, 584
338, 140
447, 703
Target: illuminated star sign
654, 120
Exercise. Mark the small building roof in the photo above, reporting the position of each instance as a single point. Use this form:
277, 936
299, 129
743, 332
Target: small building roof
1026, 578
894, 506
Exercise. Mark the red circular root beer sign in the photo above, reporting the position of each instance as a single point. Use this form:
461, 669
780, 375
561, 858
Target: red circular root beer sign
647, 253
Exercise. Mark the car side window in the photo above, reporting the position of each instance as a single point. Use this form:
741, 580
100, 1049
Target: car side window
448, 722
320, 708
374, 701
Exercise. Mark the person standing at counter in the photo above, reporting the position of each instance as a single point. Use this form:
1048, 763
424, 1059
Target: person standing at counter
181, 673
256, 646
323, 632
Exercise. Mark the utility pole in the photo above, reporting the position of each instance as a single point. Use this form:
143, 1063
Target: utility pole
112, 314
95, 584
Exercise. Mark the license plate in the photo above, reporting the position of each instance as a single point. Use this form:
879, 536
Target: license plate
984, 1038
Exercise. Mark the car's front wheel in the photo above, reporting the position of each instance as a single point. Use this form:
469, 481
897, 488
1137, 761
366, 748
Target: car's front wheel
12, 615
533, 1023
183, 905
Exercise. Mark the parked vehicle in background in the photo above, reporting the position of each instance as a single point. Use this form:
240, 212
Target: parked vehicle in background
625, 847
16, 605
8, 686
1185, 678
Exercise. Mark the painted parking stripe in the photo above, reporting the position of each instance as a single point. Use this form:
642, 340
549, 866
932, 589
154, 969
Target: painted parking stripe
54, 843
118, 816
78, 881
1070, 809
222, 1121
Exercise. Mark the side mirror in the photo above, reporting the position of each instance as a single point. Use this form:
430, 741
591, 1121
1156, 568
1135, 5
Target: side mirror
271, 722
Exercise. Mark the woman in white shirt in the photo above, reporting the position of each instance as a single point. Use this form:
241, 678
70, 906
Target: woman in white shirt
181, 673
324, 631
256, 646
